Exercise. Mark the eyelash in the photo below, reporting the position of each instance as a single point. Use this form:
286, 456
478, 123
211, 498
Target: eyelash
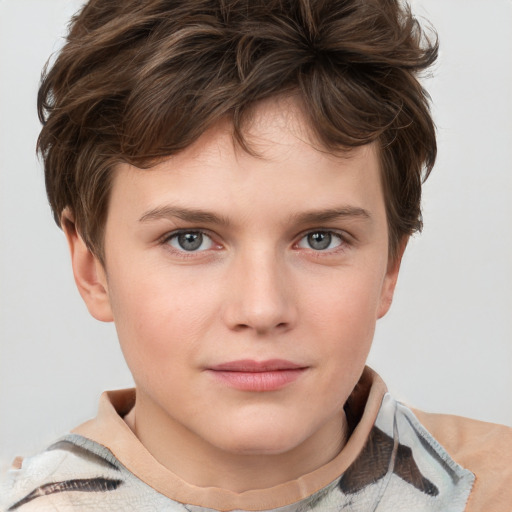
340, 236
166, 239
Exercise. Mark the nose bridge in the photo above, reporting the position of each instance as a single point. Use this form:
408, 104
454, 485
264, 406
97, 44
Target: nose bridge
261, 294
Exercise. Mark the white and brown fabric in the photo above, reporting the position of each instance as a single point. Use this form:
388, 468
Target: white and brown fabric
390, 463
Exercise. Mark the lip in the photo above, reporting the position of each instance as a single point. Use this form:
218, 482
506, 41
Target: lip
249, 365
258, 376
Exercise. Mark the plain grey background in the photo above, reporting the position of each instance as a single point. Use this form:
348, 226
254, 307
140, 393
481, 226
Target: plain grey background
446, 345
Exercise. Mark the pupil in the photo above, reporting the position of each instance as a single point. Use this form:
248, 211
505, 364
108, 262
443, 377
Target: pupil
190, 241
319, 241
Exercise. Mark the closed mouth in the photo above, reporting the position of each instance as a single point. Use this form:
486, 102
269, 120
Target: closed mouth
252, 366
257, 376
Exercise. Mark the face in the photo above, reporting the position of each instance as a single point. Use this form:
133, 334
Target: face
245, 290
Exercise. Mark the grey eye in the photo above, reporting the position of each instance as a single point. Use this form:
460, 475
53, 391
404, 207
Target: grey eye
320, 240
191, 241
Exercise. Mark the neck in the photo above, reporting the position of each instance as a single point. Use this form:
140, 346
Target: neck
201, 463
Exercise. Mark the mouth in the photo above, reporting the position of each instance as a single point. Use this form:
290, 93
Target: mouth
257, 376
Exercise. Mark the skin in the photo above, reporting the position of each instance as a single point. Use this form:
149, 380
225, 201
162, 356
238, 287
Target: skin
256, 289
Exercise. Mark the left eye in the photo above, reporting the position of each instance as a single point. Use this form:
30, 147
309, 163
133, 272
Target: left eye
190, 241
320, 240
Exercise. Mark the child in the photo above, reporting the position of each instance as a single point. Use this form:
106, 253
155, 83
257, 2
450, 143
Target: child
237, 183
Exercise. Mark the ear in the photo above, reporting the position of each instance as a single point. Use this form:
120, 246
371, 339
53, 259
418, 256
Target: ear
390, 279
90, 276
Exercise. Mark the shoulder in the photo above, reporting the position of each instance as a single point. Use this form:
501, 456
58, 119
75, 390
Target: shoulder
72, 463
483, 448
72, 474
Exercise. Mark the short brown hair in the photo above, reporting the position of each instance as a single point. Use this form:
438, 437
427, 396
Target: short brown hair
138, 80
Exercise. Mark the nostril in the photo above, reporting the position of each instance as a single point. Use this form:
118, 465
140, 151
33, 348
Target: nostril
261, 328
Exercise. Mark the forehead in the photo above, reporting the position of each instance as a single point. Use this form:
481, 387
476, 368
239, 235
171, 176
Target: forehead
267, 128
285, 166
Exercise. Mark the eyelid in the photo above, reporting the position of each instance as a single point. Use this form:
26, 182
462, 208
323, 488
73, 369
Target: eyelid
164, 240
344, 237
180, 231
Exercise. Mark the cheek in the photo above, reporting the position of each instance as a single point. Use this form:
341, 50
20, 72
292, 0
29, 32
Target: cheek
347, 298
342, 315
159, 318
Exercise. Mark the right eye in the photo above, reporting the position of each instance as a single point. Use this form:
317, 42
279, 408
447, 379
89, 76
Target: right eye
321, 240
190, 241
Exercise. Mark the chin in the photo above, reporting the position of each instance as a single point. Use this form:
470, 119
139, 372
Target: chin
261, 441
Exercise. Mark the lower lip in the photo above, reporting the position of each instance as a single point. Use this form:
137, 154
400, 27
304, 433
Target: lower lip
259, 381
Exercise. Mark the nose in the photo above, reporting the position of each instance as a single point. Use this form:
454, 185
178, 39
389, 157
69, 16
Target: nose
261, 295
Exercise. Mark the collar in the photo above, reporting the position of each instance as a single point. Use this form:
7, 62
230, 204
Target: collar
110, 430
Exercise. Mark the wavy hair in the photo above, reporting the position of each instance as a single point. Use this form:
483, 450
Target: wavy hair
138, 80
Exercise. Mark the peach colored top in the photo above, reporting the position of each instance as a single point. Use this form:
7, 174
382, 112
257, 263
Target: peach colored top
110, 430
394, 459
483, 448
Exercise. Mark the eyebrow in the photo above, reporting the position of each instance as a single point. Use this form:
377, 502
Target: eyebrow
186, 214
193, 215
320, 216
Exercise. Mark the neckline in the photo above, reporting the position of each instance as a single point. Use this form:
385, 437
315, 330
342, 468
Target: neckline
109, 429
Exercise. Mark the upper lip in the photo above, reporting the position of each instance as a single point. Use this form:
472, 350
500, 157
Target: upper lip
249, 365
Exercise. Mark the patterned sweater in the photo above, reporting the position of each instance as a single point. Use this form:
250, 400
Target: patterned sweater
390, 463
